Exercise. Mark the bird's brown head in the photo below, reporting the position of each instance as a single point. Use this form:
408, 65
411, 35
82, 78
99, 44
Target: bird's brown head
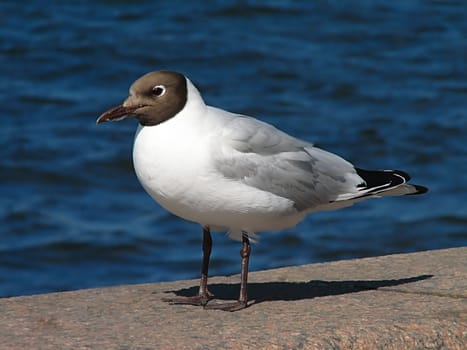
154, 98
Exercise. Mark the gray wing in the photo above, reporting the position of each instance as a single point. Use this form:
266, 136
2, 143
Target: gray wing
265, 158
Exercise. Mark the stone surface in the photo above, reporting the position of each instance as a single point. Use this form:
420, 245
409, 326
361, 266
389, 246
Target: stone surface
407, 301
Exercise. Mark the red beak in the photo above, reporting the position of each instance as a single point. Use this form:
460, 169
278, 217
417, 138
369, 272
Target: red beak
117, 113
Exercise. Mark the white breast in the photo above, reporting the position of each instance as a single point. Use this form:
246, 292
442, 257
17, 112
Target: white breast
177, 173
173, 162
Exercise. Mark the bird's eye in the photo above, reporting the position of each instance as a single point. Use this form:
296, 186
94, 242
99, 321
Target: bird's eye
158, 90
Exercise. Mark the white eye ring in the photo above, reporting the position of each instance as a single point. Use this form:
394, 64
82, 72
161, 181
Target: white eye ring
158, 90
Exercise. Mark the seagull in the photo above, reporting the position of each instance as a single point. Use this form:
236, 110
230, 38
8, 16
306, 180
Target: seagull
234, 173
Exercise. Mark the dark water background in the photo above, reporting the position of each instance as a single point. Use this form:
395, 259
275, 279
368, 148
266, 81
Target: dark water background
382, 83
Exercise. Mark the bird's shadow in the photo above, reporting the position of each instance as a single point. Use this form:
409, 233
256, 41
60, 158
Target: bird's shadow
273, 291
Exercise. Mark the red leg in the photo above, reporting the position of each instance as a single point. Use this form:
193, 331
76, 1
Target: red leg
242, 301
203, 295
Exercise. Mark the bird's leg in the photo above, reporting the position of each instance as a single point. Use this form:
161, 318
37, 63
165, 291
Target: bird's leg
207, 246
245, 254
203, 295
242, 301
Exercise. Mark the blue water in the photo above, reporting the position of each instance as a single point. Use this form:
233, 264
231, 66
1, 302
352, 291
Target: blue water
382, 83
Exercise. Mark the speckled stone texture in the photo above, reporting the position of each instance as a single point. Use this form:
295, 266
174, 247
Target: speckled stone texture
408, 301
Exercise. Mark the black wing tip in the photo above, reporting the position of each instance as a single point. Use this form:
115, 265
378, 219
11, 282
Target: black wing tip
419, 189
401, 173
378, 178
388, 179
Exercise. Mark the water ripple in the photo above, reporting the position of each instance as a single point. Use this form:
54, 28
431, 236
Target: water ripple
383, 84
